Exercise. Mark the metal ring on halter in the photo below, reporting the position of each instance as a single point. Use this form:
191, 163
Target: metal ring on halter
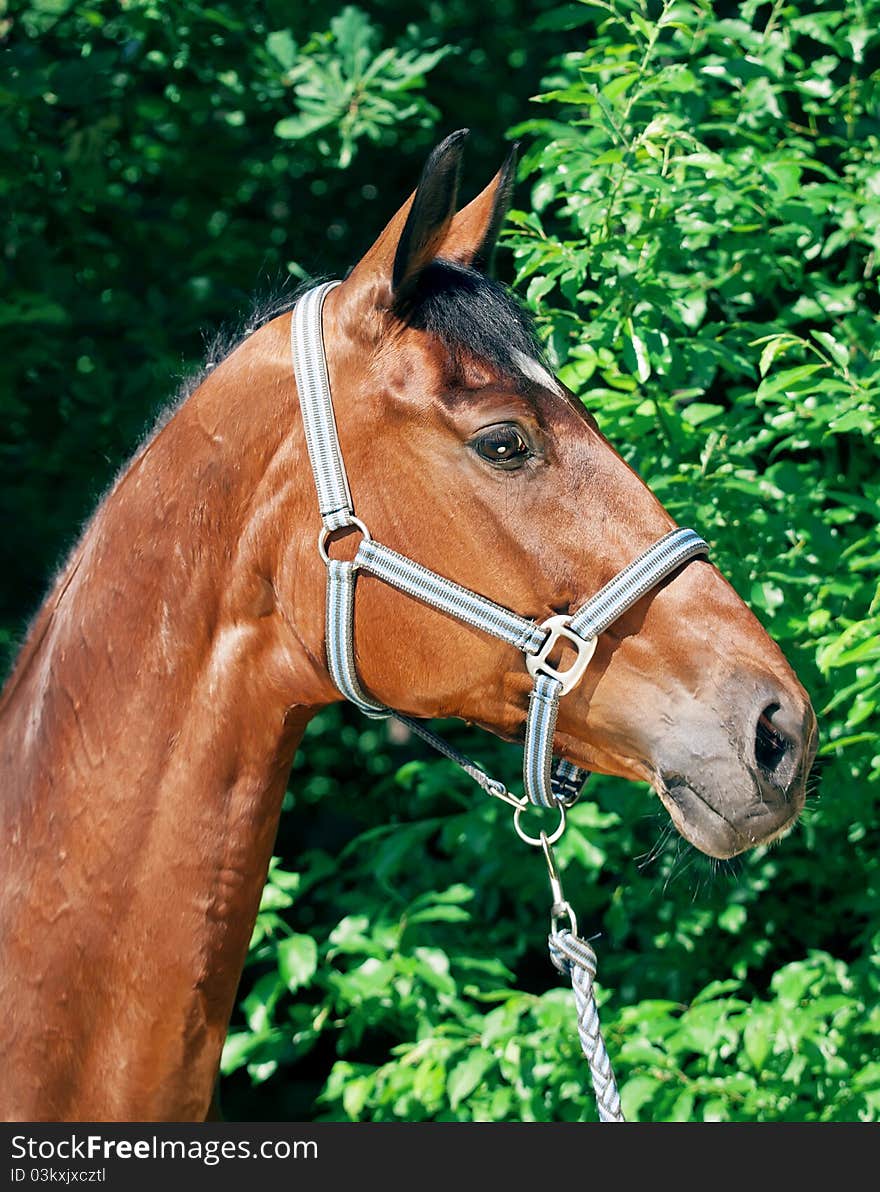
538, 841
325, 533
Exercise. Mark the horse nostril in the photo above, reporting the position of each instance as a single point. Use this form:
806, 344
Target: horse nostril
774, 750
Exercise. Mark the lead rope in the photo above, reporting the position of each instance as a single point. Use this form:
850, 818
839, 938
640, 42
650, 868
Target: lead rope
571, 955
574, 958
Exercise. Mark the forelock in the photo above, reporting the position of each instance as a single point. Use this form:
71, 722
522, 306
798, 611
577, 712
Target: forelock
471, 313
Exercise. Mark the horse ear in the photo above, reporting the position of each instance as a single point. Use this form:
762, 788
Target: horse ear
412, 237
430, 215
474, 231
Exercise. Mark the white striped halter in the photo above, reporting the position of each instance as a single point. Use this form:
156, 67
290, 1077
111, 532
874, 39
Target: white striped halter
546, 784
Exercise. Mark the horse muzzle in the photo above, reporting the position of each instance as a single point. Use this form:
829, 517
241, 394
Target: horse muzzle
730, 788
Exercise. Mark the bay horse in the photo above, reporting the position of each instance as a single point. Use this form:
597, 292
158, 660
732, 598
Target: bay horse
150, 722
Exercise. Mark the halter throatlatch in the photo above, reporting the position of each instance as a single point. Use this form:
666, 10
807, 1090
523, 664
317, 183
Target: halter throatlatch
546, 784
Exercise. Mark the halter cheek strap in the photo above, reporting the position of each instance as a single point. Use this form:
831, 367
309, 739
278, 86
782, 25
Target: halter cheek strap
546, 783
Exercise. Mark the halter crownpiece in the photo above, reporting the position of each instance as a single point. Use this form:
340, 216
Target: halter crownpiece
546, 785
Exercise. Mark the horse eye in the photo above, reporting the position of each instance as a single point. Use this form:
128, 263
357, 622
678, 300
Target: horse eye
503, 446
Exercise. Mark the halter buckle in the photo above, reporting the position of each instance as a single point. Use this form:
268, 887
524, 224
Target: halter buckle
558, 627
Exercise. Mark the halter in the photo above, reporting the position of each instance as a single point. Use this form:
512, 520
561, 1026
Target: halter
546, 784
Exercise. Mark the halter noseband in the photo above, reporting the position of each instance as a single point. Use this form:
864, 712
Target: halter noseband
546, 784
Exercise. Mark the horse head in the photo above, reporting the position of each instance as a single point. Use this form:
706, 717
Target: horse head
473, 459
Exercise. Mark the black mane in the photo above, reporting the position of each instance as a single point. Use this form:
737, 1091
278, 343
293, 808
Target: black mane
470, 312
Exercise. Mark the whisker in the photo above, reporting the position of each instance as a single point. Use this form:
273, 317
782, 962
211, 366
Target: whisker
646, 859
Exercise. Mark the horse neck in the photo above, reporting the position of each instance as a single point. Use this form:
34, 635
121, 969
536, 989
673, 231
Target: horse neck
145, 740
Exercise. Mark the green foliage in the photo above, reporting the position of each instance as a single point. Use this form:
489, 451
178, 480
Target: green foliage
158, 164
803, 1054
707, 196
698, 239
347, 88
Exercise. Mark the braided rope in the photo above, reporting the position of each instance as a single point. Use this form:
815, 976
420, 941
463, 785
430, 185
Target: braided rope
574, 958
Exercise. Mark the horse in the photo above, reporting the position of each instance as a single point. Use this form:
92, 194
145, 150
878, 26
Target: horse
149, 724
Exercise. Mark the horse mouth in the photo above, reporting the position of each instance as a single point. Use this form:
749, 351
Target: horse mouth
722, 833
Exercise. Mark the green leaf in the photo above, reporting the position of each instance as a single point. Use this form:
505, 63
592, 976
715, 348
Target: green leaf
698, 412
440, 914
465, 1077
683, 1106
635, 1094
835, 349
733, 918
297, 960
790, 379
619, 86
282, 47
236, 1050
635, 353
861, 419
355, 1094
758, 1036
776, 344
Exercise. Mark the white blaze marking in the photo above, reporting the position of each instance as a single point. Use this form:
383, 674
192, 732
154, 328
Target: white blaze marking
536, 372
